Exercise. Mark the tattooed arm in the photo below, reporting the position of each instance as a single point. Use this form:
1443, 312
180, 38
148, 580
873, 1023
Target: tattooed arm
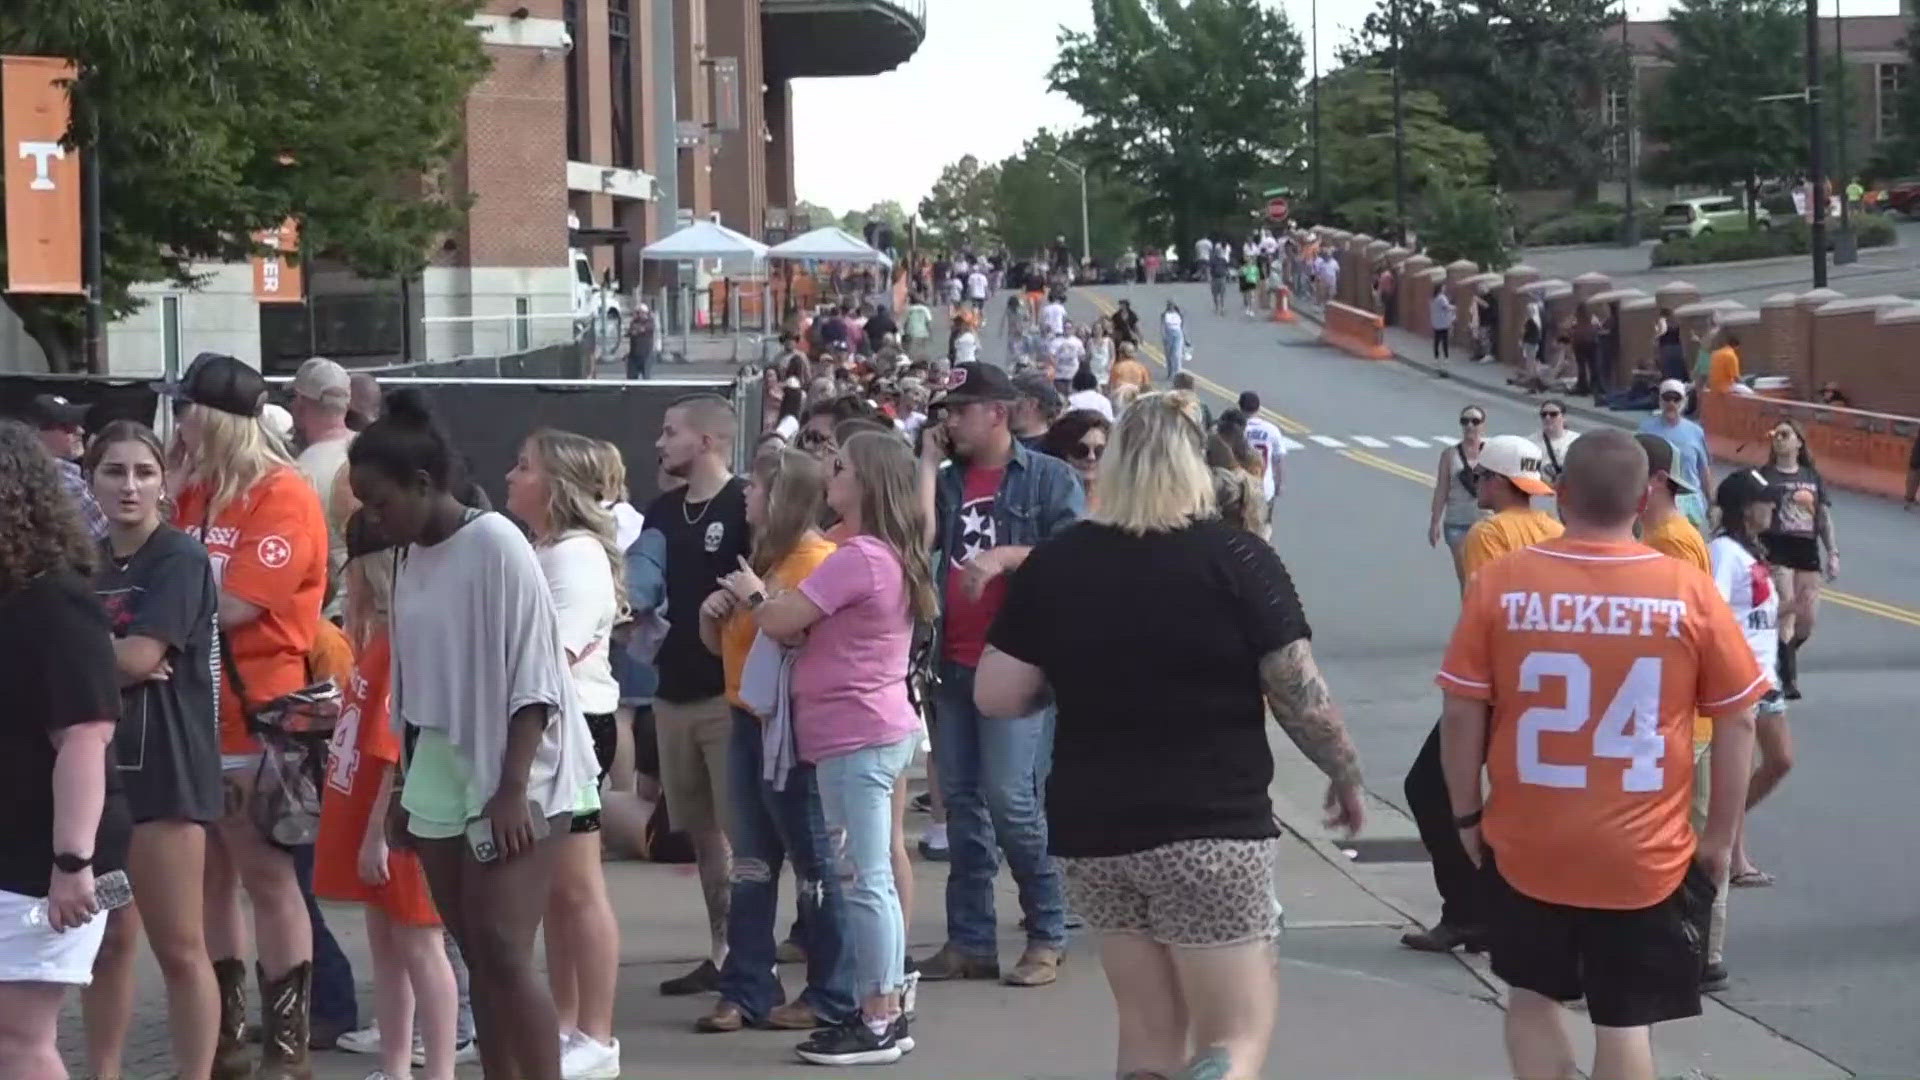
1301, 704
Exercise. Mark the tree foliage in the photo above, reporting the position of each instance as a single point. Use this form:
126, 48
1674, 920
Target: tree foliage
1039, 199
1356, 137
1198, 102
1726, 54
1464, 221
221, 118
962, 210
1519, 72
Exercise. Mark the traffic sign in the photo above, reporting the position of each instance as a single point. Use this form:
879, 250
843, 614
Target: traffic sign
1278, 208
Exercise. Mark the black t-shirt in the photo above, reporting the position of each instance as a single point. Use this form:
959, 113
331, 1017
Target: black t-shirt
705, 541
1152, 645
57, 664
1799, 501
167, 747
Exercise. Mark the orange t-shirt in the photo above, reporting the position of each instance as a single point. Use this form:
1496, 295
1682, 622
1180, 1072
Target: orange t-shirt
1723, 369
1130, 371
364, 745
269, 548
1505, 533
1675, 537
737, 633
1595, 659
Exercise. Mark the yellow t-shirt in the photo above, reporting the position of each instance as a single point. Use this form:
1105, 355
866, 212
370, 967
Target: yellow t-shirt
1505, 533
1723, 369
1675, 537
736, 635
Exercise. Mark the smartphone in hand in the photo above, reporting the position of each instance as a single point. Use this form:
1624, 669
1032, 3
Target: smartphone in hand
481, 843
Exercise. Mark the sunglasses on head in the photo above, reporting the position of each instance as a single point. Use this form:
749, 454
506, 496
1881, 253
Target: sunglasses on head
1471, 421
1086, 451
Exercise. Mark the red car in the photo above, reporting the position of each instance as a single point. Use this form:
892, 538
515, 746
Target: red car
1903, 196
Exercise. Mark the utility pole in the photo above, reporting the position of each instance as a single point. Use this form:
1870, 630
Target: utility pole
1816, 174
1399, 139
1313, 23
1086, 237
95, 261
1629, 223
1842, 178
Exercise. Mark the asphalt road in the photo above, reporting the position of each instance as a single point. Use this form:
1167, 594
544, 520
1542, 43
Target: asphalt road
1827, 957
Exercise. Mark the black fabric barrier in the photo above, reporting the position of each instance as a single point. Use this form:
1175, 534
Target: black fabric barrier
115, 399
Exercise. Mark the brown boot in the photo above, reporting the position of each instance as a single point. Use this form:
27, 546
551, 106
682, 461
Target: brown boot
283, 1009
231, 1059
1038, 966
950, 963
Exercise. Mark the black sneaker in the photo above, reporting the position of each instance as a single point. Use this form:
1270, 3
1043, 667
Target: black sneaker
1713, 979
852, 1043
902, 1036
704, 979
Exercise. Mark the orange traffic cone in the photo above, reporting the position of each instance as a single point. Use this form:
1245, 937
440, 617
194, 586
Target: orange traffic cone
1282, 305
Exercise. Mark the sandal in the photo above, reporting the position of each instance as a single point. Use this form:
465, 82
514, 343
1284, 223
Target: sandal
1751, 879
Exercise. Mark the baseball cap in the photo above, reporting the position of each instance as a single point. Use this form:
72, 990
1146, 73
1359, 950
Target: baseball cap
1673, 386
54, 411
975, 381
221, 382
322, 380
1660, 459
1741, 487
1033, 385
1517, 459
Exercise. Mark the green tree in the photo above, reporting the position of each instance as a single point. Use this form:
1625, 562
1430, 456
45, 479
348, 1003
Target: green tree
1458, 220
1356, 136
221, 118
962, 209
1039, 199
1706, 115
816, 216
1197, 102
1519, 72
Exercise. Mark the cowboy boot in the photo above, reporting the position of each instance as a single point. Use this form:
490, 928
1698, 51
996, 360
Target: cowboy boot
283, 1008
231, 1061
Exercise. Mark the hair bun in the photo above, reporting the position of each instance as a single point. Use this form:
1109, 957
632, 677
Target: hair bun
408, 406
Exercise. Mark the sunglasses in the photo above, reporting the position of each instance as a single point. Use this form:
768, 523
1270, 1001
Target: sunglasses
1782, 434
1548, 414
1472, 421
1086, 451
1672, 397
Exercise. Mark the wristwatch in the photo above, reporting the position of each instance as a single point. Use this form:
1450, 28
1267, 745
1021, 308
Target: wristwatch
71, 864
1468, 821
755, 599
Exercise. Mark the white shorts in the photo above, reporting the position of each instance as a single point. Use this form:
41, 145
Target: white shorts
37, 954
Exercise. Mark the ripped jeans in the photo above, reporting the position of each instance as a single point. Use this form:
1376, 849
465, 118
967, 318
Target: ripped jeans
767, 827
856, 791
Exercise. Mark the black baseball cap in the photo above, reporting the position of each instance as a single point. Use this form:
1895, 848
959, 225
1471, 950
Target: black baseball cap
1660, 459
974, 381
220, 382
54, 411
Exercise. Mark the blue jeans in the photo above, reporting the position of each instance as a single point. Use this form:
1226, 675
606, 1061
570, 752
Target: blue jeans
765, 828
990, 776
333, 1004
856, 792
640, 357
1174, 344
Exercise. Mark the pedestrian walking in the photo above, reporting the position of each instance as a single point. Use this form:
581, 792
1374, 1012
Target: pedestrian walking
1079, 438
1802, 527
1621, 925
1173, 337
1455, 507
1689, 441
1164, 828
1440, 314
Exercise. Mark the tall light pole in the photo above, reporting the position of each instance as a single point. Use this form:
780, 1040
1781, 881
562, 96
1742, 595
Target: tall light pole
1629, 225
1086, 237
1816, 174
1313, 22
1399, 139
1842, 178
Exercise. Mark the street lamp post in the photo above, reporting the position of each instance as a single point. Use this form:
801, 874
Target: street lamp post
1313, 23
1816, 177
1399, 139
1629, 226
1086, 237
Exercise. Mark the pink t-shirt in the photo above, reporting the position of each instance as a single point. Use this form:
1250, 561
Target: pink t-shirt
850, 679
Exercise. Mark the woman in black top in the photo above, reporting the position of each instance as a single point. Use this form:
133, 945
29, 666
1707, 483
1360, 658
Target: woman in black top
1157, 805
1802, 523
56, 793
157, 586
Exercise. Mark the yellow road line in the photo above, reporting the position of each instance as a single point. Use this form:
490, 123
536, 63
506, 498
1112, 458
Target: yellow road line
1393, 468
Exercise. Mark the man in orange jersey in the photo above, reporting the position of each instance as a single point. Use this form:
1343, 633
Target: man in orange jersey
1573, 677
1507, 479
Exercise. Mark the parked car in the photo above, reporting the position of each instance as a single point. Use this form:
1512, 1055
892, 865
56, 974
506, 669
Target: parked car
1902, 196
1688, 218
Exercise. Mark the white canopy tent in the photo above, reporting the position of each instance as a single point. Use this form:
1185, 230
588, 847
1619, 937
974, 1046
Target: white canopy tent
830, 243
706, 240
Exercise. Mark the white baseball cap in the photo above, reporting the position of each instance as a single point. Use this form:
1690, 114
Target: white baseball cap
320, 379
1516, 458
1673, 386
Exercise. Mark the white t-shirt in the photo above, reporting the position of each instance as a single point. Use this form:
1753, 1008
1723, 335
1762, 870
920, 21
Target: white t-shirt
1171, 321
1265, 440
1555, 459
977, 285
321, 464
1746, 584
1090, 399
1203, 249
1053, 318
1100, 356
581, 580
628, 524
966, 348
1067, 352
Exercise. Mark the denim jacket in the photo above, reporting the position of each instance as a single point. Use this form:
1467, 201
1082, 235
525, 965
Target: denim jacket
1039, 497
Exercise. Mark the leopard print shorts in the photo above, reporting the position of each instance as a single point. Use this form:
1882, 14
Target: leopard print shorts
1188, 894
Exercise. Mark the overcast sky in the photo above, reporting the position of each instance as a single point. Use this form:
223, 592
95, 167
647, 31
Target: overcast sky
979, 85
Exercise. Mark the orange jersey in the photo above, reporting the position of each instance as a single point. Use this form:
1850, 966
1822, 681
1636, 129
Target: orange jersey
1503, 534
364, 747
1594, 659
269, 548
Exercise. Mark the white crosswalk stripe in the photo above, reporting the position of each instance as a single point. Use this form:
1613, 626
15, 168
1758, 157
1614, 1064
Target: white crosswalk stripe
1370, 442
1446, 440
1327, 441
1289, 446
1408, 440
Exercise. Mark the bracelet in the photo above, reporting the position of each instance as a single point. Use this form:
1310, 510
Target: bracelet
1468, 821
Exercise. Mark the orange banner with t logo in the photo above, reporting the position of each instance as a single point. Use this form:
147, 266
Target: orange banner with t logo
42, 176
276, 274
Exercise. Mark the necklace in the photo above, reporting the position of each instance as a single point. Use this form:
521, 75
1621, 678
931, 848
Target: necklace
704, 508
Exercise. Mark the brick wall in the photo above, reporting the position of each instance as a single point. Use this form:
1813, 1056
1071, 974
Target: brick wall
515, 162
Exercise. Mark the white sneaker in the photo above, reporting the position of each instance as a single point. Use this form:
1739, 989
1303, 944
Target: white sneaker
380, 1075
364, 1041
590, 1059
466, 1053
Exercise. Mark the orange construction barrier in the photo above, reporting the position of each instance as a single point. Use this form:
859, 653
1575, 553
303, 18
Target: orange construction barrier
1858, 450
1283, 305
1356, 330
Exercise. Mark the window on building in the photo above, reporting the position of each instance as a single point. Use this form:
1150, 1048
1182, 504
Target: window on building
1613, 116
570, 14
170, 350
522, 323
620, 70
1886, 119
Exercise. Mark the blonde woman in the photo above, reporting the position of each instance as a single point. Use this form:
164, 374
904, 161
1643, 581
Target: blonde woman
556, 488
1157, 807
1236, 492
266, 534
853, 720
769, 825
